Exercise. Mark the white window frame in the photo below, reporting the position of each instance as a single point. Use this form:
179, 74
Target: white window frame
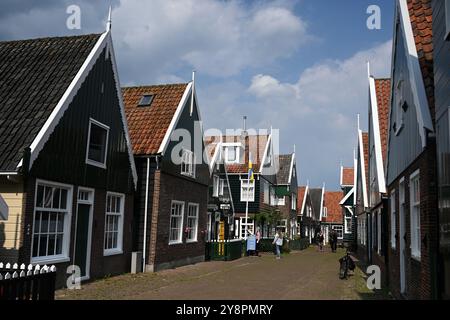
379, 232
64, 256
249, 184
180, 233
250, 227
280, 201
188, 163
293, 201
222, 183
236, 147
393, 202
216, 181
188, 217
341, 228
90, 161
325, 212
346, 225
121, 215
415, 216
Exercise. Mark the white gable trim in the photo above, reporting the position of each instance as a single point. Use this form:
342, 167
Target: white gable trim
352, 190
321, 203
362, 168
377, 136
304, 200
355, 176
341, 175
122, 108
175, 118
57, 113
215, 157
266, 149
291, 169
415, 74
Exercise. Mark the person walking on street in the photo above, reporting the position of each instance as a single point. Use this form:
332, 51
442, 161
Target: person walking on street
278, 242
258, 238
320, 240
334, 238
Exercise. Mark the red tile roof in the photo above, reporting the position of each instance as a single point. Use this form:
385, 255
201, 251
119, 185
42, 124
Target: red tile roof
300, 197
383, 92
348, 176
148, 125
420, 13
334, 210
257, 146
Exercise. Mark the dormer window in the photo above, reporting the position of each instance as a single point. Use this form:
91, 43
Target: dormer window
146, 100
325, 212
232, 153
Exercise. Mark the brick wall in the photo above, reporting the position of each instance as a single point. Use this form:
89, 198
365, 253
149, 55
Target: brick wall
167, 188
420, 275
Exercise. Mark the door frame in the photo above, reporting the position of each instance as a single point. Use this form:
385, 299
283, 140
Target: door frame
402, 233
89, 202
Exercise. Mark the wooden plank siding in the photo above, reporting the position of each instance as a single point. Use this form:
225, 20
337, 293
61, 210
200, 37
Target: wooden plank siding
405, 146
63, 158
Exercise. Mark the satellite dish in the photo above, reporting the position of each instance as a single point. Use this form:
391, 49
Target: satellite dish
4, 209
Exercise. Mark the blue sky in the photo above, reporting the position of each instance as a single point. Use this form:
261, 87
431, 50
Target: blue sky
296, 65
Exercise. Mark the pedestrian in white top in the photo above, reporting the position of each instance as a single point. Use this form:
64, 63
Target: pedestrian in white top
278, 242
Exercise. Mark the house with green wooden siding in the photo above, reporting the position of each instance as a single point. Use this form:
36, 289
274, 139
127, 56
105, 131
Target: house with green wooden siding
67, 173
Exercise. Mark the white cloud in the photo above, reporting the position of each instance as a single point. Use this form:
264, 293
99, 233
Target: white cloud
317, 112
218, 38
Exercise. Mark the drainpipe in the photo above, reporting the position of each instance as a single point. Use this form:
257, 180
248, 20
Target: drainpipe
145, 215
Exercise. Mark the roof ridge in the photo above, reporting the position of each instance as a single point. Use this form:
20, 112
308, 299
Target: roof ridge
51, 38
155, 85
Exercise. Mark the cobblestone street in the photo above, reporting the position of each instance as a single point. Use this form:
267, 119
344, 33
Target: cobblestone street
306, 274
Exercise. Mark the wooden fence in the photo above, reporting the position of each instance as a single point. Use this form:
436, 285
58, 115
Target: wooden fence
27, 283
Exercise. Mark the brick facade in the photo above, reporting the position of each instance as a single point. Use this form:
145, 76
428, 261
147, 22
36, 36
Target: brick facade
169, 187
420, 275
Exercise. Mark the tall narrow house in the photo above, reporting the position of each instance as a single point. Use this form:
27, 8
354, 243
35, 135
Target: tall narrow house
286, 193
363, 239
172, 194
254, 201
348, 201
441, 60
67, 174
379, 102
411, 155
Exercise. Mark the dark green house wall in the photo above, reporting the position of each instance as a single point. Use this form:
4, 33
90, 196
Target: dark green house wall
63, 157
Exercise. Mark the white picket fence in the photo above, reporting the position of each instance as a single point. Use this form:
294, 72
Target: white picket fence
32, 282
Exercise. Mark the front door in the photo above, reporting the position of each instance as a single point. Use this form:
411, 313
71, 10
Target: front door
82, 248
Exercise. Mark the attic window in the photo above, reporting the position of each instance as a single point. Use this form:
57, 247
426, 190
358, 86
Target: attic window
146, 100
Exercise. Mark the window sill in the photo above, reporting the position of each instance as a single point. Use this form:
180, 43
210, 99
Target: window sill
416, 257
50, 260
192, 241
114, 252
96, 164
175, 243
188, 175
